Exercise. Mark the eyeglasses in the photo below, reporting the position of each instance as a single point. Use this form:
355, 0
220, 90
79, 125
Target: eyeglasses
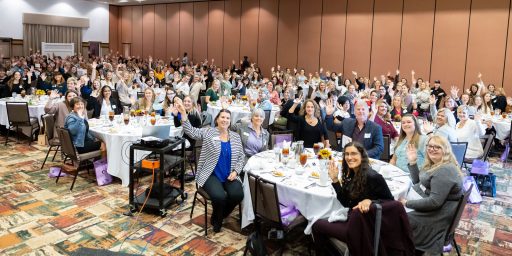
434, 147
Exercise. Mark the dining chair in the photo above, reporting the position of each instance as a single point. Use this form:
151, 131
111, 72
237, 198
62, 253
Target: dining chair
279, 137
386, 154
53, 142
266, 121
333, 140
487, 141
18, 116
267, 208
459, 151
450, 234
77, 160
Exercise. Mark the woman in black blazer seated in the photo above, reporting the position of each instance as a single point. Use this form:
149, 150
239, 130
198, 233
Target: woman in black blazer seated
105, 103
359, 185
220, 163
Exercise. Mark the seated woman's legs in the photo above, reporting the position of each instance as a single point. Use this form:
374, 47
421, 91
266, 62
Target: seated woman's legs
89, 146
323, 230
224, 198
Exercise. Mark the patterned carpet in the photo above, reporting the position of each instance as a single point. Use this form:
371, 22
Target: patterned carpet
39, 217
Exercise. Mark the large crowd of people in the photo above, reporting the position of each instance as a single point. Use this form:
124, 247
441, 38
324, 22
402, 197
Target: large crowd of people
311, 104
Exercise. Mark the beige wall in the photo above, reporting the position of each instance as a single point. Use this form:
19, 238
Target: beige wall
449, 40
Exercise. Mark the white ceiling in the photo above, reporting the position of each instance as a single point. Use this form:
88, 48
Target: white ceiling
139, 2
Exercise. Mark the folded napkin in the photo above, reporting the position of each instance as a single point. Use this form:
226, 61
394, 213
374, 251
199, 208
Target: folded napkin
339, 215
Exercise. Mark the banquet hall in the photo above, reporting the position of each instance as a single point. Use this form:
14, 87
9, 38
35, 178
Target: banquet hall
260, 127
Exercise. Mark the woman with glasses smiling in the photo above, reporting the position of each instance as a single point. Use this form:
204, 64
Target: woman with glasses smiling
438, 186
470, 131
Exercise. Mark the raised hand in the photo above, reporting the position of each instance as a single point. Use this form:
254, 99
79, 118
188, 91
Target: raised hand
298, 100
333, 171
397, 72
432, 99
428, 127
354, 73
329, 107
479, 75
454, 91
412, 153
412, 72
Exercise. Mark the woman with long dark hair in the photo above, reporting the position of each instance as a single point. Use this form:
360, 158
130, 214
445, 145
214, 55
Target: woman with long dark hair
105, 103
359, 185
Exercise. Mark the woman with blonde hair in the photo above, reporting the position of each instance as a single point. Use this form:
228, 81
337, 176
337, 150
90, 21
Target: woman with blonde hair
146, 103
439, 186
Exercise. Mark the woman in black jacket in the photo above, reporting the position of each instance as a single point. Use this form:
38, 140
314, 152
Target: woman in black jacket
104, 103
358, 187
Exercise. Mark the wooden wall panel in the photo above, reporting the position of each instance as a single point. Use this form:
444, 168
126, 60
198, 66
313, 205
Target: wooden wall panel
288, 33
310, 27
450, 39
487, 41
160, 29
267, 39
148, 30
333, 35
173, 31
113, 35
127, 24
215, 31
417, 31
231, 46
137, 31
200, 46
387, 29
507, 74
186, 28
359, 36
249, 30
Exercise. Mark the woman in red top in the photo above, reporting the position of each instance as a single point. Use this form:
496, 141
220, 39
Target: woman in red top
382, 118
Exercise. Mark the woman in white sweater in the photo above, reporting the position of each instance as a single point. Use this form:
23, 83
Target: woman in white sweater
468, 130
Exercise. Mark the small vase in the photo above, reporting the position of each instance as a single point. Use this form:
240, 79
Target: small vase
324, 174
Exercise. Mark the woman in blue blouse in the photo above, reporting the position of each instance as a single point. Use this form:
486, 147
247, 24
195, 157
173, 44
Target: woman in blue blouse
220, 163
76, 123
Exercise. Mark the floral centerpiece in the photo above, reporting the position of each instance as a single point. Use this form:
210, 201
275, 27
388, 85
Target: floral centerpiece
324, 154
397, 118
244, 98
40, 92
138, 112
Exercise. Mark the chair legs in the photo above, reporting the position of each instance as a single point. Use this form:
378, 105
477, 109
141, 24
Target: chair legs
193, 204
456, 246
46, 157
205, 212
56, 151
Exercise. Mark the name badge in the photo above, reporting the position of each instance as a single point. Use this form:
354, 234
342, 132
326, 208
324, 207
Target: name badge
246, 134
113, 106
367, 135
216, 138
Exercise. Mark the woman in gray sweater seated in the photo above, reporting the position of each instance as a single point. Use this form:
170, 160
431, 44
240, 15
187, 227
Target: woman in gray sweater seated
254, 137
439, 184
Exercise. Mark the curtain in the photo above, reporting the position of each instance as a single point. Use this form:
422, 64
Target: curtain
34, 35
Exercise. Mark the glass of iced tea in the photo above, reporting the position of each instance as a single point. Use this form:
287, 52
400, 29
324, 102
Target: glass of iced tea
303, 158
126, 119
153, 114
111, 115
285, 152
316, 148
153, 121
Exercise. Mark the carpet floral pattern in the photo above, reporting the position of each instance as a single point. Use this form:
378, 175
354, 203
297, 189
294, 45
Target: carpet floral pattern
39, 217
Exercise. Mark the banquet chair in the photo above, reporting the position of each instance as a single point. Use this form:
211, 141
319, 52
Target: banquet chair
487, 143
53, 142
279, 137
266, 121
266, 207
450, 233
386, 154
17, 113
77, 160
202, 100
140, 95
204, 201
333, 140
459, 151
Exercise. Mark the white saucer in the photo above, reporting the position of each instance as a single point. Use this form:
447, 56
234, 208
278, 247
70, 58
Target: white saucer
318, 183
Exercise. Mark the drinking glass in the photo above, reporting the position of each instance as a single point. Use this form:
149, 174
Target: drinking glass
153, 121
111, 115
303, 158
126, 119
316, 148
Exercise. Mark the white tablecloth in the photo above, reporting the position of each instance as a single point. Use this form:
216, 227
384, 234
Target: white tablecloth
239, 112
315, 202
35, 110
502, 127
118, 139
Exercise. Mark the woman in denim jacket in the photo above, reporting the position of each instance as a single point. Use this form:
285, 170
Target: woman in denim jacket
78, 127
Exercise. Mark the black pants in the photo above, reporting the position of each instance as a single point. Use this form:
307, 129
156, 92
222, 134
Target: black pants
89, 146
225, 196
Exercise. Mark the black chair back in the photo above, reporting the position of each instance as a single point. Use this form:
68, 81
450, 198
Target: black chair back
17, 113
266, 121
489, 138
264, 199
67, 147
49, 126
450, 234
386, 154
140, 95
459, 151
333, 140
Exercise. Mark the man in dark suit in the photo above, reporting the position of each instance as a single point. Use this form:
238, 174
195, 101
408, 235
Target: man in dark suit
360, 129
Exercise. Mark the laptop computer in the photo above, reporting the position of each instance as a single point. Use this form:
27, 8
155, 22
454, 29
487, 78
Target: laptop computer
159, 131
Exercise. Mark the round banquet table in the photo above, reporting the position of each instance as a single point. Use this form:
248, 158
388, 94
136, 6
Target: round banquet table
238, 112
313, 201
502, 126
118, 138
34, 110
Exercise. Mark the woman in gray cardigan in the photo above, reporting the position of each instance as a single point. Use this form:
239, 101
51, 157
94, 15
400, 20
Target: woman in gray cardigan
439, 183
220, 163
254, 137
